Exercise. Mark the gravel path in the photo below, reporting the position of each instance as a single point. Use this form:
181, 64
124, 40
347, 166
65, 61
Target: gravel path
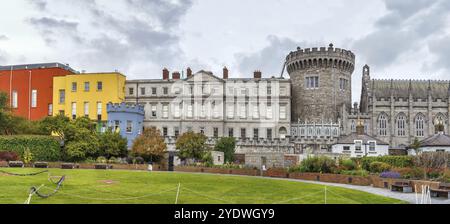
408, 197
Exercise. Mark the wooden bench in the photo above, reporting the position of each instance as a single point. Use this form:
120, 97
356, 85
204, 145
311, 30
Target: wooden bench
69, 166
442, 191
40, 165
15, 164
102, 166
402, 186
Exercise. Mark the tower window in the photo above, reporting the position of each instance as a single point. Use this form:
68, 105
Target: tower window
312, 82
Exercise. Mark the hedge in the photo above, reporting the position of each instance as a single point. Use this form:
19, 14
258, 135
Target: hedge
394, 161
43, 148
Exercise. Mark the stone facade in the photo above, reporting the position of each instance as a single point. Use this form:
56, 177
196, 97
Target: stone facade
244, 108
321, 83
398, 111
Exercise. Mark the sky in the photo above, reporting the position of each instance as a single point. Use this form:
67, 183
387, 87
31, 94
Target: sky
399, 39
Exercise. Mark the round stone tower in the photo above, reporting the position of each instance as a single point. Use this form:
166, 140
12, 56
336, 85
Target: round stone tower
321, 83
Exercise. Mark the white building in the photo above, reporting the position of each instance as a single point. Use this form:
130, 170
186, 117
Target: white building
439, 142
359, 144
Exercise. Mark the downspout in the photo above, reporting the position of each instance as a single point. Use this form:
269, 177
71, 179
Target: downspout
29, 95
10, 87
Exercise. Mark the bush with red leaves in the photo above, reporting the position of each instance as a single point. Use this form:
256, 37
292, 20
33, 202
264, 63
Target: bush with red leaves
9, 156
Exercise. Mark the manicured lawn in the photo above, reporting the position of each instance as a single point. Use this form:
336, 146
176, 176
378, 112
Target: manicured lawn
128, 187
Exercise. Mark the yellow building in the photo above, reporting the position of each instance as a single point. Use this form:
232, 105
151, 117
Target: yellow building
87, 94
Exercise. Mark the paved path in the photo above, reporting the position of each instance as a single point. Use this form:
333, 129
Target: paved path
408, 197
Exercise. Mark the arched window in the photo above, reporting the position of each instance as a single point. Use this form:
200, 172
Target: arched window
420, 125
439, 119
382, 125
401, 125
353, 127
283, 132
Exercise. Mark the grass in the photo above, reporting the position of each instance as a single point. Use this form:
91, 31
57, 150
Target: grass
139, 187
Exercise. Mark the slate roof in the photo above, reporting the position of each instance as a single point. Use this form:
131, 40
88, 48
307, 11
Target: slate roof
382, 88
439, 139
37, 66
350, 139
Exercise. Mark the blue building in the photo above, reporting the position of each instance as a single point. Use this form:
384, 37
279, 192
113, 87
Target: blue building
126, 119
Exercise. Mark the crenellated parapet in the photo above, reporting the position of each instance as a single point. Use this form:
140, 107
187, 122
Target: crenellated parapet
320, 58
125, 108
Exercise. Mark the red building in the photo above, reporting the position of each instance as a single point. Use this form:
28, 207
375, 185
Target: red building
30, 87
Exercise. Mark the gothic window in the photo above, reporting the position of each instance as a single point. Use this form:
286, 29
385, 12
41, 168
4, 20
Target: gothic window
401, 124
353, 127
420, 124
382, 125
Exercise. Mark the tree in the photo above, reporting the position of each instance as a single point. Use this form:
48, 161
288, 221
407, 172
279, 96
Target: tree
227, 145
432, 160
58, 125
83, 145
150, 145
191, 146
416, 146
27, 156
112, 144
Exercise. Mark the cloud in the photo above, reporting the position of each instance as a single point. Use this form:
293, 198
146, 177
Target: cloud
105, 37
39, 4
404, 30
269, 59
3, 37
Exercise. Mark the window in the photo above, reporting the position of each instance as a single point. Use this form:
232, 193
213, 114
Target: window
177, 132
86, 86
99, 111
269, 133
382, 125
154, 91
353, 126
143, 91
372, 145
99, 86
256, 133
86, 109
218, 158
216, 132
190, 109
202, 130
130, 91
62, 96
191, 89
177, 110
401, 123
269, 91
165, 111
230, 111
230, 132
50, 109
154, 111
116, 125
243, 111
283, 91
269, 114
243, 133
14, 99
420, 121
283, 112
346, 148
34, 98
166, 90
255, 111
312, 82
74, 86
343, 83
129, 126
74, 110
358, 145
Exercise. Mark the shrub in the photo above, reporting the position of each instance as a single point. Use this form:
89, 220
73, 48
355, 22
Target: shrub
113, 160
409, 173
348, 164
362, 173
138, 160
27, 156
43, 148
379, 167
320, 164
9, 156
102, 159
394, 161
390, 174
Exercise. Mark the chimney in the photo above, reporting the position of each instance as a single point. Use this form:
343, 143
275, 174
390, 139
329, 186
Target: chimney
225, 73
165, 74
189, 72
176, 75
257, 74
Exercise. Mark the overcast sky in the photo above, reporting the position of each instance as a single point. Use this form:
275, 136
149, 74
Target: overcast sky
397, 38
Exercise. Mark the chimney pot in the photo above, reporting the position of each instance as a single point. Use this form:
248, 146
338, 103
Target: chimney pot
165, 74
189, 72
225, 73
176, 75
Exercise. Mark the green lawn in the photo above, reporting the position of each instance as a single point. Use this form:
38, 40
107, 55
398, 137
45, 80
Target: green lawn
128, 187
